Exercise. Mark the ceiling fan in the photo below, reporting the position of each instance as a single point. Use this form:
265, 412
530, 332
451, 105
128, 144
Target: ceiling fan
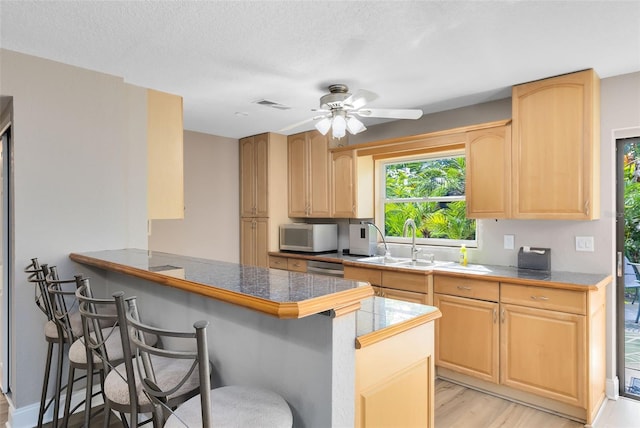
338, 111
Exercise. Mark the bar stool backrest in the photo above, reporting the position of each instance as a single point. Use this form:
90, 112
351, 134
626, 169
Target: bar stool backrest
196, 350
37, 275
63, 302
95, 319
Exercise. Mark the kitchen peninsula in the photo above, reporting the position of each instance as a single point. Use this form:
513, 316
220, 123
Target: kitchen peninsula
291, 332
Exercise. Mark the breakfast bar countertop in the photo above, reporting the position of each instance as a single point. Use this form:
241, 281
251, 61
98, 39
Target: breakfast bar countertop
379, 318
278, 293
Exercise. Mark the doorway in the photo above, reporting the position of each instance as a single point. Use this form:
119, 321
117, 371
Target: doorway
628, 265
6, 240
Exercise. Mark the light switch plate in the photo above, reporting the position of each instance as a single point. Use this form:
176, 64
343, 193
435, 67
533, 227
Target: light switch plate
584, 243
509, 242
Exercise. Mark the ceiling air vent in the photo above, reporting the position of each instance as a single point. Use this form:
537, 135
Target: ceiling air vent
272, 104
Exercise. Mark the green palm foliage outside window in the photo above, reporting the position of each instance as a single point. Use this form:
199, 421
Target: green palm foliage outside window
632, 200
432, 193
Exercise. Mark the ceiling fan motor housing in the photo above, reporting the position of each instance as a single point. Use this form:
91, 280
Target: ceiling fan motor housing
335, 100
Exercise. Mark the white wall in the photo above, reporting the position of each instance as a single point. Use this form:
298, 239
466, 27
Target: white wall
211, 225
80, 184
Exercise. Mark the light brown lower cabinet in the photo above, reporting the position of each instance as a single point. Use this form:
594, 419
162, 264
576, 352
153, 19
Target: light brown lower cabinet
407, 286
543, 352
288, 263
541, 345
467, 336
254, 239
395, 380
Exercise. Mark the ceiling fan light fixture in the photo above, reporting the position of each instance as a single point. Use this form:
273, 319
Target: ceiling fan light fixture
323, 125
355, 126
339, 126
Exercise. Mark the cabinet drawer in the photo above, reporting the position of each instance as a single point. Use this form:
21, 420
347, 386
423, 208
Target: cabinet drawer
372, 276
407, 296
571, 301
276, 262
405, 281
466, 287
297, 265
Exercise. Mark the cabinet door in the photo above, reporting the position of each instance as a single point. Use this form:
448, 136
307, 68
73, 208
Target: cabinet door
343, 184
261, 143
254, 237
543, 352
467, 336
247, 241
262, 242
247, 178
556, 148
298, 175
318, 174
488, 173
165, 168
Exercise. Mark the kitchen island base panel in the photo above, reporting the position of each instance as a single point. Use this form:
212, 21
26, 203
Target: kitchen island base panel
395, 380
521, 397
307, 360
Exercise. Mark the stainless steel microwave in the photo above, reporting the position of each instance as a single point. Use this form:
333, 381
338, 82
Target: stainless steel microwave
310, 238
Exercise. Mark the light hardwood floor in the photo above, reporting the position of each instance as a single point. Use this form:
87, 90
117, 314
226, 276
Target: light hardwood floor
457, 406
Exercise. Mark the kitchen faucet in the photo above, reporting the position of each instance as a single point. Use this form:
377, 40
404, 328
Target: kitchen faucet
384, 241
410, 223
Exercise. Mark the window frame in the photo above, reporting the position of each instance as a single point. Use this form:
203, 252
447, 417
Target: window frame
381, 192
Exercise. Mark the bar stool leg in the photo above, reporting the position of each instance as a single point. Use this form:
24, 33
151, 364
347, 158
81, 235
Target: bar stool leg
89, 390
67, 401
45, 384
56, 409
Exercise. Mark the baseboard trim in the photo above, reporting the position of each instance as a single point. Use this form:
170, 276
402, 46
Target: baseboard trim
27, 416
612, 388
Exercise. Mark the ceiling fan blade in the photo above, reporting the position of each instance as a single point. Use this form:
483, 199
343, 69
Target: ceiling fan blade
360, 98
390, 113
302, 122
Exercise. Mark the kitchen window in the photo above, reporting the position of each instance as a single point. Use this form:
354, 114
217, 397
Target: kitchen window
431, 191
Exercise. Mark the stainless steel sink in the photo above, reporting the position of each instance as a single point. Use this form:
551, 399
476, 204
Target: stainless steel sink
403, 262
383, 260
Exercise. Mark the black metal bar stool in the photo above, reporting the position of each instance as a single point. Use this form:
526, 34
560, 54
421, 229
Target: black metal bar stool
53, 336
225, 407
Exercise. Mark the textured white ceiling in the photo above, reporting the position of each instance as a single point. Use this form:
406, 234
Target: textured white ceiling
222, 56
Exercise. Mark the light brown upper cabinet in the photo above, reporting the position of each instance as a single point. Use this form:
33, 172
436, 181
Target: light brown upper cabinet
254, 178
556, 148
488, 173
263, 205
308, 175
351, 185
165, 187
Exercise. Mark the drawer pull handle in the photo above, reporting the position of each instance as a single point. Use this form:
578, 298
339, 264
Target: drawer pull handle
460, 287
495, 315
540, 298
502, 316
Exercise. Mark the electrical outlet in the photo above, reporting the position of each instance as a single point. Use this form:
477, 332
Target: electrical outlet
509, 242
584, 243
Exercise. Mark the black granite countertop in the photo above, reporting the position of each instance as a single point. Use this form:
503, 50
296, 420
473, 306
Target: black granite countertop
378, 313
559, 279
281, 293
